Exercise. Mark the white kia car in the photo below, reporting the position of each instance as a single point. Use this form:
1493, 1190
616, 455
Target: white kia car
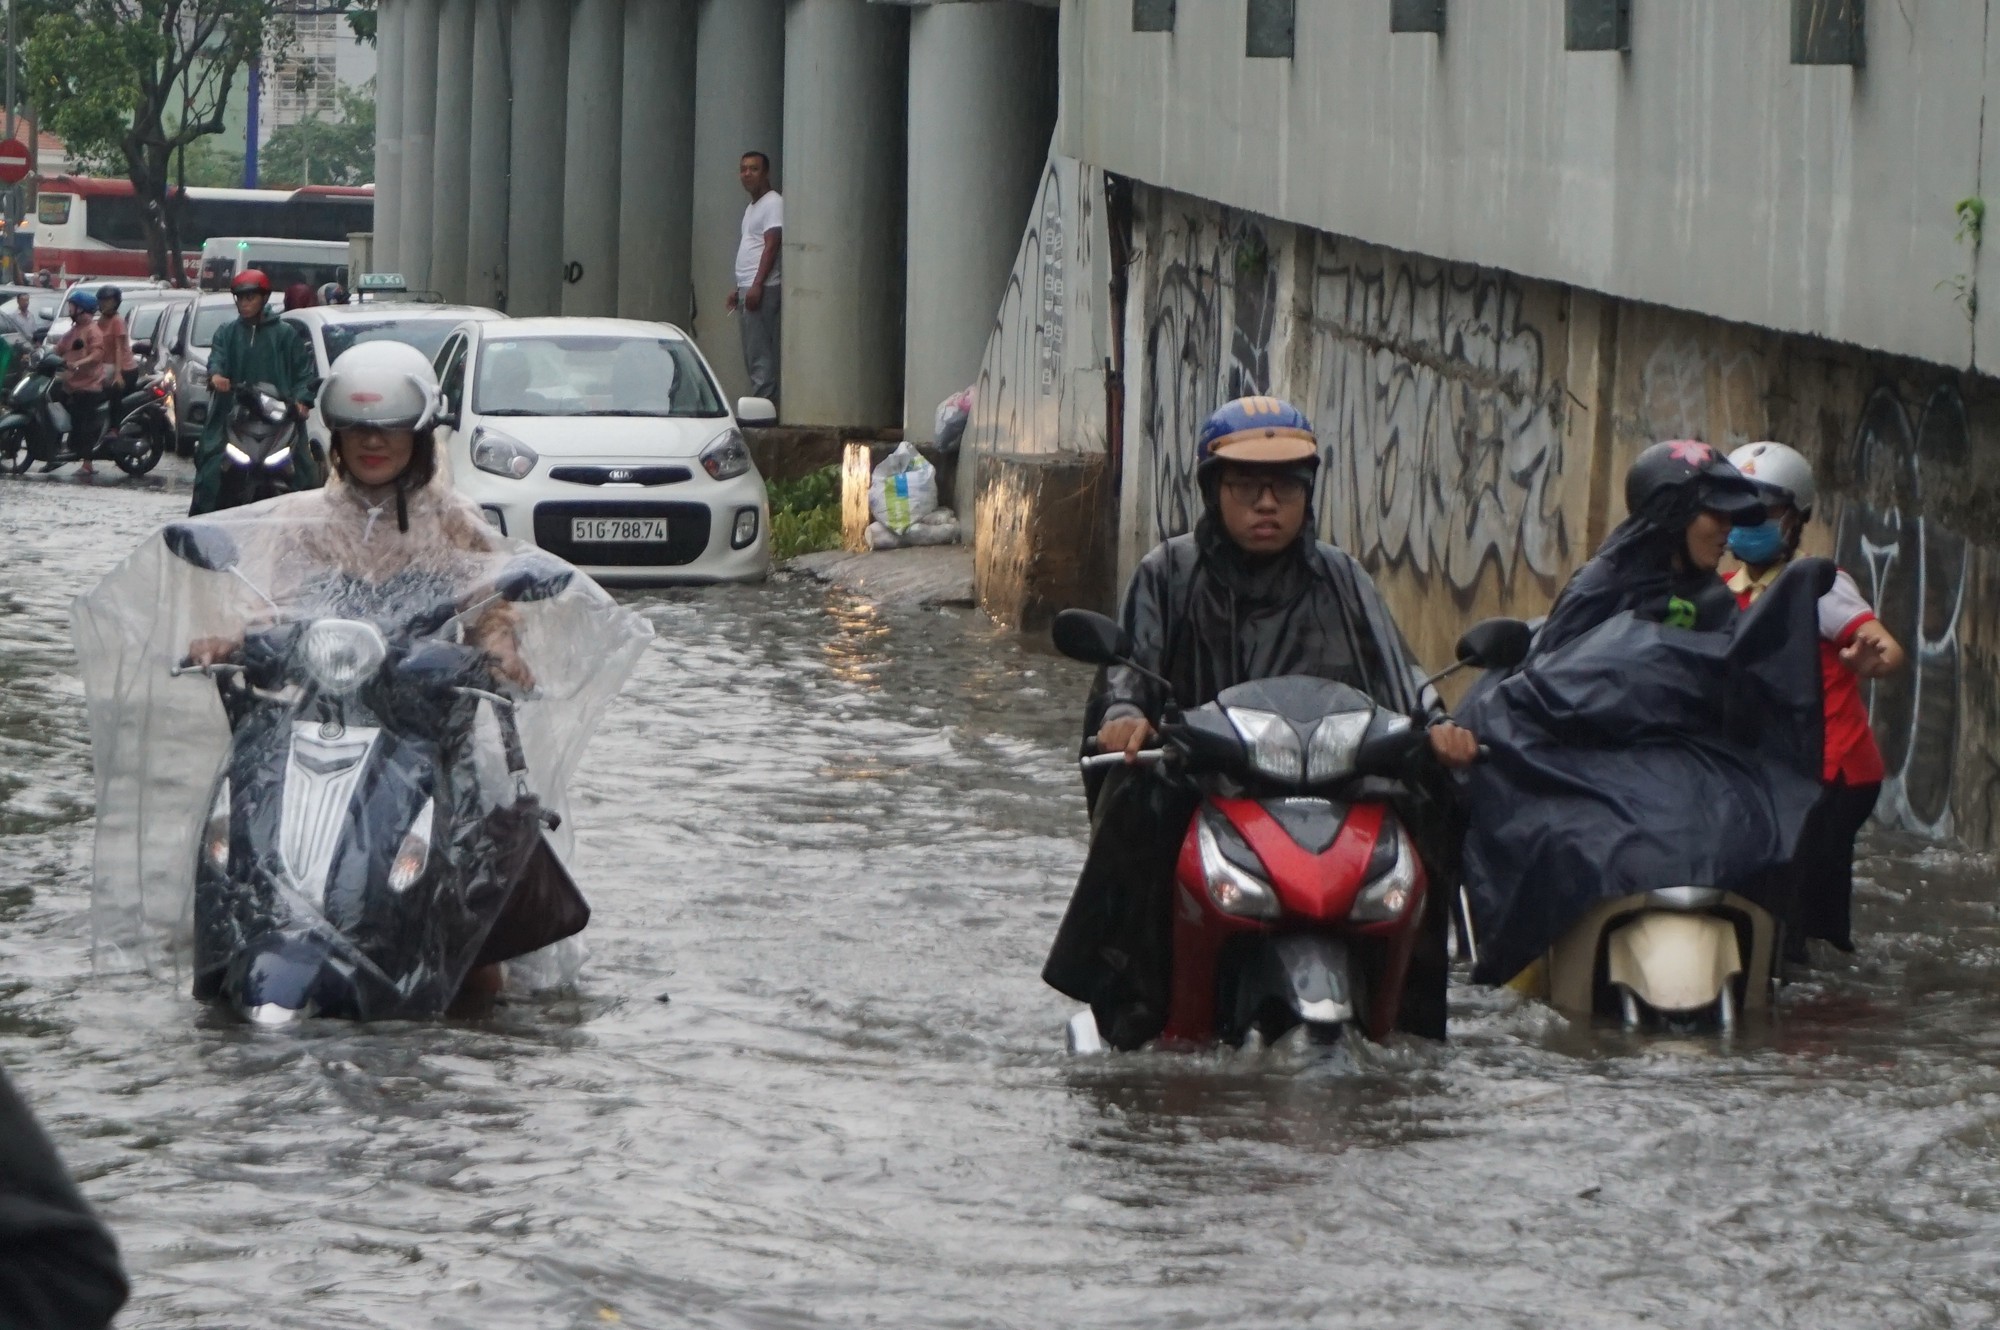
608, 443
332, 329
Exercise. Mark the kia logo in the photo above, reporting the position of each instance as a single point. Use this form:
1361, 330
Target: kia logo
620, 477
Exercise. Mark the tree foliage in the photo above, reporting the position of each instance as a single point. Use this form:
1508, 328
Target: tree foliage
138, 81
324, 152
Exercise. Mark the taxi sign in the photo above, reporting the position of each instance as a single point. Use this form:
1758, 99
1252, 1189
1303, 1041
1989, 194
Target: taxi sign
382, 281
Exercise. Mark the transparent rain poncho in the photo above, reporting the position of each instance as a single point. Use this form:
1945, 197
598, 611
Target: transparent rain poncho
350, 772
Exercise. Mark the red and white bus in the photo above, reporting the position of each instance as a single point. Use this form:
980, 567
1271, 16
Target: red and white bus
85, 227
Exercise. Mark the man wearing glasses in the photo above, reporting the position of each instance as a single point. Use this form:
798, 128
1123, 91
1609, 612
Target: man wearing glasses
1249, 594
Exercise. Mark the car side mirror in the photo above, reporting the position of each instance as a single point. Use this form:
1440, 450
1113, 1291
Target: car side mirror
533, 577
1090, 637
203, 545
1495, 644
756, 411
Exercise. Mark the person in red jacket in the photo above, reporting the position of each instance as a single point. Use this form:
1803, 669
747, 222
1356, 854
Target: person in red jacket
1853, 646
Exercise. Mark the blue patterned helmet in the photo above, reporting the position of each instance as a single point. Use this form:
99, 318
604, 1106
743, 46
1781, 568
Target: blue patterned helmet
1257, 431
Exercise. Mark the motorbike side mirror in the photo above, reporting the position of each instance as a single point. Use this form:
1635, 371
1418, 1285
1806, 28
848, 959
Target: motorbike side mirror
1090, 637
447, 417
532, 578
1495, 644
204, 546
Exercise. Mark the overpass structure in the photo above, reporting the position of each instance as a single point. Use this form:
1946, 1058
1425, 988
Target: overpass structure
580, 157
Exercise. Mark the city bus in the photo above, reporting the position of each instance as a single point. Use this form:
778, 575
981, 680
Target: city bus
85, 227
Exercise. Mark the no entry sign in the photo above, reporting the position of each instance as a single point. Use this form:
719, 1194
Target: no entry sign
13, 162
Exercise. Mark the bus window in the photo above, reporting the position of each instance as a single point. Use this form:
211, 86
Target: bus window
315, 275
54, 209
116, 220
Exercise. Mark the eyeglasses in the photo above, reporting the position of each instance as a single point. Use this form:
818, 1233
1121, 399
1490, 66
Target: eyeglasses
1249, 489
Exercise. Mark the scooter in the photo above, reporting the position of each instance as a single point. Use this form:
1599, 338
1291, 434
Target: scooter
146, 426
1679, 958
39, 428
1298, 894
354, 863
260, 443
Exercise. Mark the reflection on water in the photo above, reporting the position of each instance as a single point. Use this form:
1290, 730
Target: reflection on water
811, 1077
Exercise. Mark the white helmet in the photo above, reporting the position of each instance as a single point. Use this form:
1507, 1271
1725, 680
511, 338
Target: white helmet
385, 385
1780, 469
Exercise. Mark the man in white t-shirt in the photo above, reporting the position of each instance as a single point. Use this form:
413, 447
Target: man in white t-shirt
756, 296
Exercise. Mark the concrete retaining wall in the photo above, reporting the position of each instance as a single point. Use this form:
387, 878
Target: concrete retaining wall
1476, 426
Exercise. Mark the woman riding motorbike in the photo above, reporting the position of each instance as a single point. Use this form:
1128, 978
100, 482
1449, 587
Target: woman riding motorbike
381, 613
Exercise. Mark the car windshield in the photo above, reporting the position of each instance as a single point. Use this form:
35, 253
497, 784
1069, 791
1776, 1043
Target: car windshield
606, 375
427, 335
208, 321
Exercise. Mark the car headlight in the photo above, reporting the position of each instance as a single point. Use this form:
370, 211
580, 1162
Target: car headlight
1233, 890
1387, 896
1274, 747
1334, 744
727, 457
342, 654
498, 455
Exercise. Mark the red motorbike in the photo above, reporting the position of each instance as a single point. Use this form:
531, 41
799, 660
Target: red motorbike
1298, 894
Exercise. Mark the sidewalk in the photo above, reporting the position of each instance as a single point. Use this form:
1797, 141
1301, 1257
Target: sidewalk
899, 579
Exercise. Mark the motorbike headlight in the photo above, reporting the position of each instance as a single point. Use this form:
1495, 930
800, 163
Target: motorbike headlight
215, 836
727, 457
271, 408
281, 458
1234, 890
237, 455
1330, 755
342, 654
498, 455
415, 854
1387, 896
1274, 748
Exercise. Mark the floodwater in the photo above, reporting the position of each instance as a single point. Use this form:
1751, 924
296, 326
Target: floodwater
810, 1077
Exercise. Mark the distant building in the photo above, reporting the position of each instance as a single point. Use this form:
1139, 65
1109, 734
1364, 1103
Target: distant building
322, 55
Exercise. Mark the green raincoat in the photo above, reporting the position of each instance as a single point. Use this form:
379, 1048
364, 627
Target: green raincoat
268, 351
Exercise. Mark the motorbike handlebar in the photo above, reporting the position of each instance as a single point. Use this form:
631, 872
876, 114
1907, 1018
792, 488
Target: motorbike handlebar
1146, 757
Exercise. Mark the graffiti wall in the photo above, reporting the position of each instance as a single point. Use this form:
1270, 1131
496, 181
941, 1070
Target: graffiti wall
1475, 428
1041, 383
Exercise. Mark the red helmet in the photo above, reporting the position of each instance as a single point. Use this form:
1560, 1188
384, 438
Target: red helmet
248, 281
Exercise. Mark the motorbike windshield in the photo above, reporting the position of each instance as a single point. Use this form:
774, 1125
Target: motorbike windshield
389, 747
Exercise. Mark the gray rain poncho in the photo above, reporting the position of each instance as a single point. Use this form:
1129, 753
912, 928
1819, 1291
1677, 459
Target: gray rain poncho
160, 741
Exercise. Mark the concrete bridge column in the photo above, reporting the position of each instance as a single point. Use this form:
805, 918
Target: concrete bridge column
486, 153
388, 136
420, 71
739, 84
656, 164
538, 56
845, 89
453, 152
982, 110
590, 160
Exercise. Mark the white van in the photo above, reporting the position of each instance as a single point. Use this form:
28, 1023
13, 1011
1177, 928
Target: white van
314, 262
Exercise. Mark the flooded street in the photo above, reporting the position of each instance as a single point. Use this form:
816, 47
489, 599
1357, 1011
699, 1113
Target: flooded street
811, 1077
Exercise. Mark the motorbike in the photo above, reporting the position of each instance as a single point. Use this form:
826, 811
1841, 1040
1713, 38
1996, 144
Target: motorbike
1298, 894
260, 443
146, 424
39, 428
362, 853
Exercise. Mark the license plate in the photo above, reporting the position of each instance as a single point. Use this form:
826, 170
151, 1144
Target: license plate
622, 530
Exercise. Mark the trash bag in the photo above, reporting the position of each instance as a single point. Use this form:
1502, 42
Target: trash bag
952, 414
364, 664
1641, 756
940, 527
902, 489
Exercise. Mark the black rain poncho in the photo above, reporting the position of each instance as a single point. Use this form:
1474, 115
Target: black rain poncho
58, 1266
1633, 755
1207, 617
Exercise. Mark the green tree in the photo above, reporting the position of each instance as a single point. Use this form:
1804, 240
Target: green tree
140, 81
325, 152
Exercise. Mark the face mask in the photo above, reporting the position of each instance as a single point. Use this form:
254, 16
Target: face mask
1757, 545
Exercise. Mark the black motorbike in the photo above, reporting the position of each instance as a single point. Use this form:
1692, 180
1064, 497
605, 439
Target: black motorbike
39, 427
146, 424
261, 446
354, 863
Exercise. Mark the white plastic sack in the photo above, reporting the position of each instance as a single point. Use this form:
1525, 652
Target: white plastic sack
939, 528
902, 489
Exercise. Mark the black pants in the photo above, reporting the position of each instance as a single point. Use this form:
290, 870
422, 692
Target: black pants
1822, 894
83, 419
